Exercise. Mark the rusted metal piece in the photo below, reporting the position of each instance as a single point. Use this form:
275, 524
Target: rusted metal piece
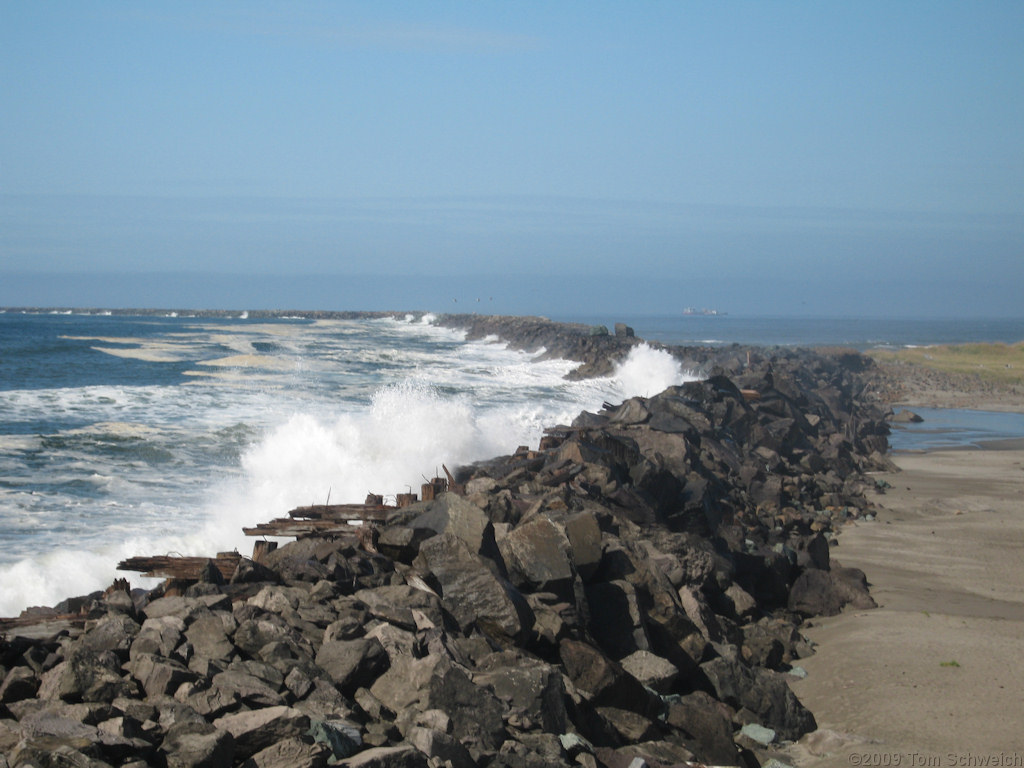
453, 487
262, 548
549, 442
433, 489
183, 568
367, 537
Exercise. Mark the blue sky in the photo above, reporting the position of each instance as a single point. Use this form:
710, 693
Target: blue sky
762, 157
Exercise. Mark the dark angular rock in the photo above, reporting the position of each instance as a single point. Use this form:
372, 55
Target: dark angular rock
450, 513
253, 634
256, 730
353, 664
603, 681
159, 676
386, 757
186, 608
208, 636
210, 702
652, 670
289, 753
473, 595
205, 747
629, 727
707, 726
18, 684
250, 572
114, 632
399, 604
158, 637
534, 689
86, 675
251, 688
761, 691
536, 553
402, 543
406, 683
616, 619
825, 593
340, 738
476, 713
440, 746
584, 534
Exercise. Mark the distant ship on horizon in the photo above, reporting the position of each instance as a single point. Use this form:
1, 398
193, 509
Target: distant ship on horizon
702, 312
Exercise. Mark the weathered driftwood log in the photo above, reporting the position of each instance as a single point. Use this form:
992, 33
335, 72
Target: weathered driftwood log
184, 568
286, 527
340, 512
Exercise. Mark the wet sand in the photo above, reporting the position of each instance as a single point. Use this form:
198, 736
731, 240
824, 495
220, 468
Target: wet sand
934, 675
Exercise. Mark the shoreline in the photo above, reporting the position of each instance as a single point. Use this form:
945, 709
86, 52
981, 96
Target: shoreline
968, 632
651, 561
931, 672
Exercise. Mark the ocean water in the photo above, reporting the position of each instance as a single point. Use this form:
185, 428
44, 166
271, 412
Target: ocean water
150, 435
856, 332
124, 436
944, 428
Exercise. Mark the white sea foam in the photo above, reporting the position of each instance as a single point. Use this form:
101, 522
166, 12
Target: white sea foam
364, 407
647, 371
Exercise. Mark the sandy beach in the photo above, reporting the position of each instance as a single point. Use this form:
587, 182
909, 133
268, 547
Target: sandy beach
933, 675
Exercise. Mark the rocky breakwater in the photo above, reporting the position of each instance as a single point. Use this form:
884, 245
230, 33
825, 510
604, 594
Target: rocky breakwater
595, 347
628, 594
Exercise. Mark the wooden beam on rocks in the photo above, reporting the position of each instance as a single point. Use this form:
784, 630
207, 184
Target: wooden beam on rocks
181, 567
342, 512
286, 527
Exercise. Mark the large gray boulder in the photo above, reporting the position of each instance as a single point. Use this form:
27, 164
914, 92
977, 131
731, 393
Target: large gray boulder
158, 675
113, 632
159, 636
251, 689
762, 692
198, 747
405, 756
473, 594
256, 730
289, 753
476, 714
86, 675
536, 553
353, 664
208, 636
603, 681
399, 604
534, 689
707, 725
450, 513
616, 619
826, 593
584, 534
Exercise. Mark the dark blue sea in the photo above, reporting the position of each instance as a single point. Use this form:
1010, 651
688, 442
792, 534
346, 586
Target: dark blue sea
858, 333
146, 435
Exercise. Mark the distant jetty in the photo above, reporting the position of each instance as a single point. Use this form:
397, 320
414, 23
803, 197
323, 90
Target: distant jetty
703, 312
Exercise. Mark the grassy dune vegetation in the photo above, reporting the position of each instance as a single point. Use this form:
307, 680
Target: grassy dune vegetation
1000, 363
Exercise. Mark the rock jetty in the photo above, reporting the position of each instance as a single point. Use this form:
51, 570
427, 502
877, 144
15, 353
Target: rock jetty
630, 592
